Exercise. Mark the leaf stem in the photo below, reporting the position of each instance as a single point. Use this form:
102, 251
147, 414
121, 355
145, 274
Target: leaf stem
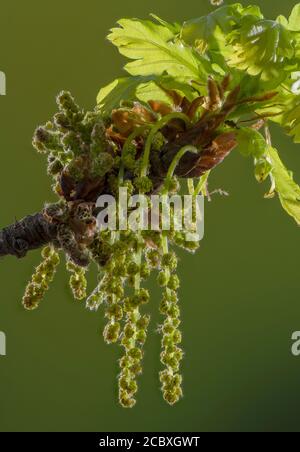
161, 123
137, 132
200, 187
268, 158
175, 161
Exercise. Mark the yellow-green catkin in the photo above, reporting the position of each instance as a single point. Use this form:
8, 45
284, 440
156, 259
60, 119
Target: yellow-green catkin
78, 282
171, 355
101, 250
112, 287
95, 299
79, 147
135, 330
133, 338
41, 279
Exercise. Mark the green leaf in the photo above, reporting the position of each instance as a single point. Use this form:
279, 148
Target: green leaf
154, 90
251, 142
286, 188
291, 120
262, 169
293, 25
155, 50
151, 91
287, 104
120, 89
143, 89
209, 31
174, 28
261, 47
294, 19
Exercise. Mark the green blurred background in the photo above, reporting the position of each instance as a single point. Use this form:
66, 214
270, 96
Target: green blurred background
239, 294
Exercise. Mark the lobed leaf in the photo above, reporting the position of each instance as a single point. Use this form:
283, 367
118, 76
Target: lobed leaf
262, 169
287, 189
143, 89
155, 50
293, 22
294, 19
208, 32
111, 95
261, 47
293, 25
251, 142
174, 28
291, 121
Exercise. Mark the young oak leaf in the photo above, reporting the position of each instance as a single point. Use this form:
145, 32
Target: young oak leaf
251, 142
111, 95
208, 32
261, 47
158, 89
288, 107
155, 50
174, 28
291, 121
294, 19
293, 25
285, 110
287, 189
293, 22
262, 169
142, 89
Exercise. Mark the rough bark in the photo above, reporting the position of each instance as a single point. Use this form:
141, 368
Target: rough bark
27, 234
